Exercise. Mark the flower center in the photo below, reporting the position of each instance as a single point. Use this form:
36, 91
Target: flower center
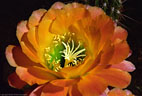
64, 52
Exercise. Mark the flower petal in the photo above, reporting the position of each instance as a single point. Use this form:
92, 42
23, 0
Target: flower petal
33, 75
95, 11
91, 85
125, 66
16, 57
44, 35
9, 55
52, 90
121, 51
115, 77
32, 37
106, 26
33, 22
119, 92
116, 92
36, 17
107, 53
37, 91
120, 33
15, 81
21, 29
64, 82
58, 5
64, 19
28, 48
77, 71
30, 54
73, 91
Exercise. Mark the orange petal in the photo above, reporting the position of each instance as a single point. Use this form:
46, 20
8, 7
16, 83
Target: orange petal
33, 75
15, 81
44, 35
28, 48
95, 11
73, 91
106, 29
21, 29
119, 92
52, 90
77, 71
34, 20
64, 82
116, 92
36, 17
107, 53
125, 66
121, 52
32, 37
65, 18
9, 55
73, 5
37, 91
58, 5
91, 85
115, 77
16, 57
120, 33
32, 56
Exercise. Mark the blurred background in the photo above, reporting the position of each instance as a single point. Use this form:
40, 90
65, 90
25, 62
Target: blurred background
13, 11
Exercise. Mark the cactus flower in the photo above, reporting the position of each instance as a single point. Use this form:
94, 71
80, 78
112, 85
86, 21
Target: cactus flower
70, 50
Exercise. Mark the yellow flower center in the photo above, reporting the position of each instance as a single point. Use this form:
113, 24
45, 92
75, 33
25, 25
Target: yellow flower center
64, 52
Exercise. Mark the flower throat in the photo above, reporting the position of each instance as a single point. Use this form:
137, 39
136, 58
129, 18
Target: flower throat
64, 51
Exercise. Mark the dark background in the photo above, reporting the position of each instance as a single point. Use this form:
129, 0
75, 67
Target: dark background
13, 11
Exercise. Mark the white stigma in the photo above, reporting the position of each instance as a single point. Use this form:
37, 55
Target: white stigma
71, 54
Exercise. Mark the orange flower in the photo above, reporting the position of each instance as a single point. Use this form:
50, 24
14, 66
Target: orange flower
71, 49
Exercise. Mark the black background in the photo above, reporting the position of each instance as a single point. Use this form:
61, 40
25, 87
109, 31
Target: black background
13, 11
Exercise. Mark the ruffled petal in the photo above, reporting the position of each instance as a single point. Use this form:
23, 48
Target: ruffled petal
15, 81
115, 77
125, 66
91, 85
52, 90
21, 29
33, 75
16, 57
